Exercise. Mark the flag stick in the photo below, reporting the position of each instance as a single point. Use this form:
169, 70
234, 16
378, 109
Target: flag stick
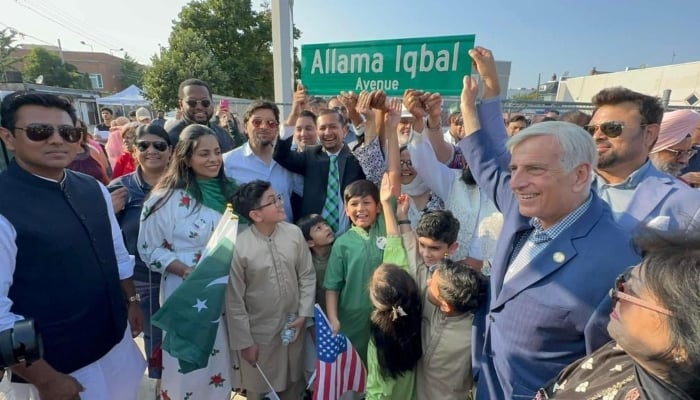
273, 392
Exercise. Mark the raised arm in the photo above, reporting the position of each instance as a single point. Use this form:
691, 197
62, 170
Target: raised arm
292, 160
438, 176
391, 121
485, 151
299, 102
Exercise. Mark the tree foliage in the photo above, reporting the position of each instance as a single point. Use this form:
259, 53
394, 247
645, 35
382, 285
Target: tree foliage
131, 72
54, 72
187, 57
7, 47
228, 44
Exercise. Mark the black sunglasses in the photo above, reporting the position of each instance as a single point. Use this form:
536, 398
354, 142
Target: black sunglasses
611, 129
143, 145
193, 103
40, 132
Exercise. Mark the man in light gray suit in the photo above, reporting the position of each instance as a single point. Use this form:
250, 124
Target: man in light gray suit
625, 126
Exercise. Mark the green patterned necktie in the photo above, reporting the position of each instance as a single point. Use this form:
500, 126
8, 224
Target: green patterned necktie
332, 205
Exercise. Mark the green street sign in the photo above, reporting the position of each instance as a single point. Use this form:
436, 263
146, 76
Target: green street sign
434, 64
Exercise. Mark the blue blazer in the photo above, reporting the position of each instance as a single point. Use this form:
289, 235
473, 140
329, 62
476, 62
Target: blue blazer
533, 326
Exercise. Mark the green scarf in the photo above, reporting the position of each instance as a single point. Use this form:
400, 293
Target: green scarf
212, 196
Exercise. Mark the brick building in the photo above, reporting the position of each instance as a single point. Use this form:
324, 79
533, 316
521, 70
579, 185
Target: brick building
104, 69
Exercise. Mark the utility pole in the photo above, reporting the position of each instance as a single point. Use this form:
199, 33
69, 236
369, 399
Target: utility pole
283, 52
60, 52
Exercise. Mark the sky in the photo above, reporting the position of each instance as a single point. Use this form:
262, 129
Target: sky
539, 37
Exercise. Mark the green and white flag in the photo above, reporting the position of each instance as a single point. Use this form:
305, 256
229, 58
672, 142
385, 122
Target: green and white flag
192, 314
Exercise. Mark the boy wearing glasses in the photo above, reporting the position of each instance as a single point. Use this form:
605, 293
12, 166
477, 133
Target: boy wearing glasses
197, 108
271, 290
63, 261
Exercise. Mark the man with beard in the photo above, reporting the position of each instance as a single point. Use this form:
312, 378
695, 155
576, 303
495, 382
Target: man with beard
625, 126
197, 107
673, 149
253, 160
326, 168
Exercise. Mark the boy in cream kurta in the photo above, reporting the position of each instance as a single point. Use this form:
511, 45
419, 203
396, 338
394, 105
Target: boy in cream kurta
272, 276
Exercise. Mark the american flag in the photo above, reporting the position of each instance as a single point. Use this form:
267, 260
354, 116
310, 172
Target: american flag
338, 366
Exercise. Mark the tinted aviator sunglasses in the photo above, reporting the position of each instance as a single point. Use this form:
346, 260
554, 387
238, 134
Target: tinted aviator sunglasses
611, 129
270, 123
40, 132
618, 293
143, 145
193, 103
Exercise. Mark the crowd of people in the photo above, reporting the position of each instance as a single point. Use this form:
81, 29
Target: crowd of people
464, 255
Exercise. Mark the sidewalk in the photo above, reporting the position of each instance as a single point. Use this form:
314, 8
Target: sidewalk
148, 386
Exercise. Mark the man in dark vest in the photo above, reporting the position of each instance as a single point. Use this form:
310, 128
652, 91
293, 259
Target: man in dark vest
63, 261
195, 101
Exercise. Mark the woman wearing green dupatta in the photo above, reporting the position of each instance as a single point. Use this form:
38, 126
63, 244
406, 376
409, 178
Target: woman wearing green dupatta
176, 224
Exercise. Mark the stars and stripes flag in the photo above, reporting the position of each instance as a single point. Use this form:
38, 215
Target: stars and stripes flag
192, 314
338, 366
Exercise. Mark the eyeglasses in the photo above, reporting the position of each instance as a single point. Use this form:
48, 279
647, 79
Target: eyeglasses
618, 293
611, 129
193, 103
679, 153
270, 123
340, 109
39, 132
143, 145
406, 163
277, 201
459, 122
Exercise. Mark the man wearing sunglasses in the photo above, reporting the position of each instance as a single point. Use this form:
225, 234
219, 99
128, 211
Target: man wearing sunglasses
63, 261
625, 126
253, 160
195, 101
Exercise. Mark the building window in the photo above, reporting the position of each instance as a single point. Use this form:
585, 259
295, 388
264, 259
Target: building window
96, 81
692, 99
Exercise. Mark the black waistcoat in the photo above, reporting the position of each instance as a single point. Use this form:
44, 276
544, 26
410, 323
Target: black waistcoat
66, 275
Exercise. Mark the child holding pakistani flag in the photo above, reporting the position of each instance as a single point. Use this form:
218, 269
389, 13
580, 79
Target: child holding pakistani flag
271, 289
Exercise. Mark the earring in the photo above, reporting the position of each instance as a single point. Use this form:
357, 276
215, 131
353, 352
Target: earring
447, 254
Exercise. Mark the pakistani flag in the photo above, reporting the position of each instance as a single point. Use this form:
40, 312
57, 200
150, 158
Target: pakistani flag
191, 315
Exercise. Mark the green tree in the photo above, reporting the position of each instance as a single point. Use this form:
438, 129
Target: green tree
238, 41
187, 57
7, 47
42, 63
131, 72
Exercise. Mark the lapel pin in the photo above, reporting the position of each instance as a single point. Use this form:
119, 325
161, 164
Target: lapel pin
559, 257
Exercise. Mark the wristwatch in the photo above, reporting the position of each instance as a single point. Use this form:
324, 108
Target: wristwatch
134, 299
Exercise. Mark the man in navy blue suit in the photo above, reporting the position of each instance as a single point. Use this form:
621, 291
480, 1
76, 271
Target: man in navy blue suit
559, 250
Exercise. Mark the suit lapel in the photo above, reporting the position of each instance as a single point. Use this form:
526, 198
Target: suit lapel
648, 195
498, 274
342, 160
557, 254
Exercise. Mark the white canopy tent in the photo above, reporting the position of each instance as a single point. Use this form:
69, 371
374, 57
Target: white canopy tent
131, 96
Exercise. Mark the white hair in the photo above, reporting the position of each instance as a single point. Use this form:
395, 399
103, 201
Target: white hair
576, 144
